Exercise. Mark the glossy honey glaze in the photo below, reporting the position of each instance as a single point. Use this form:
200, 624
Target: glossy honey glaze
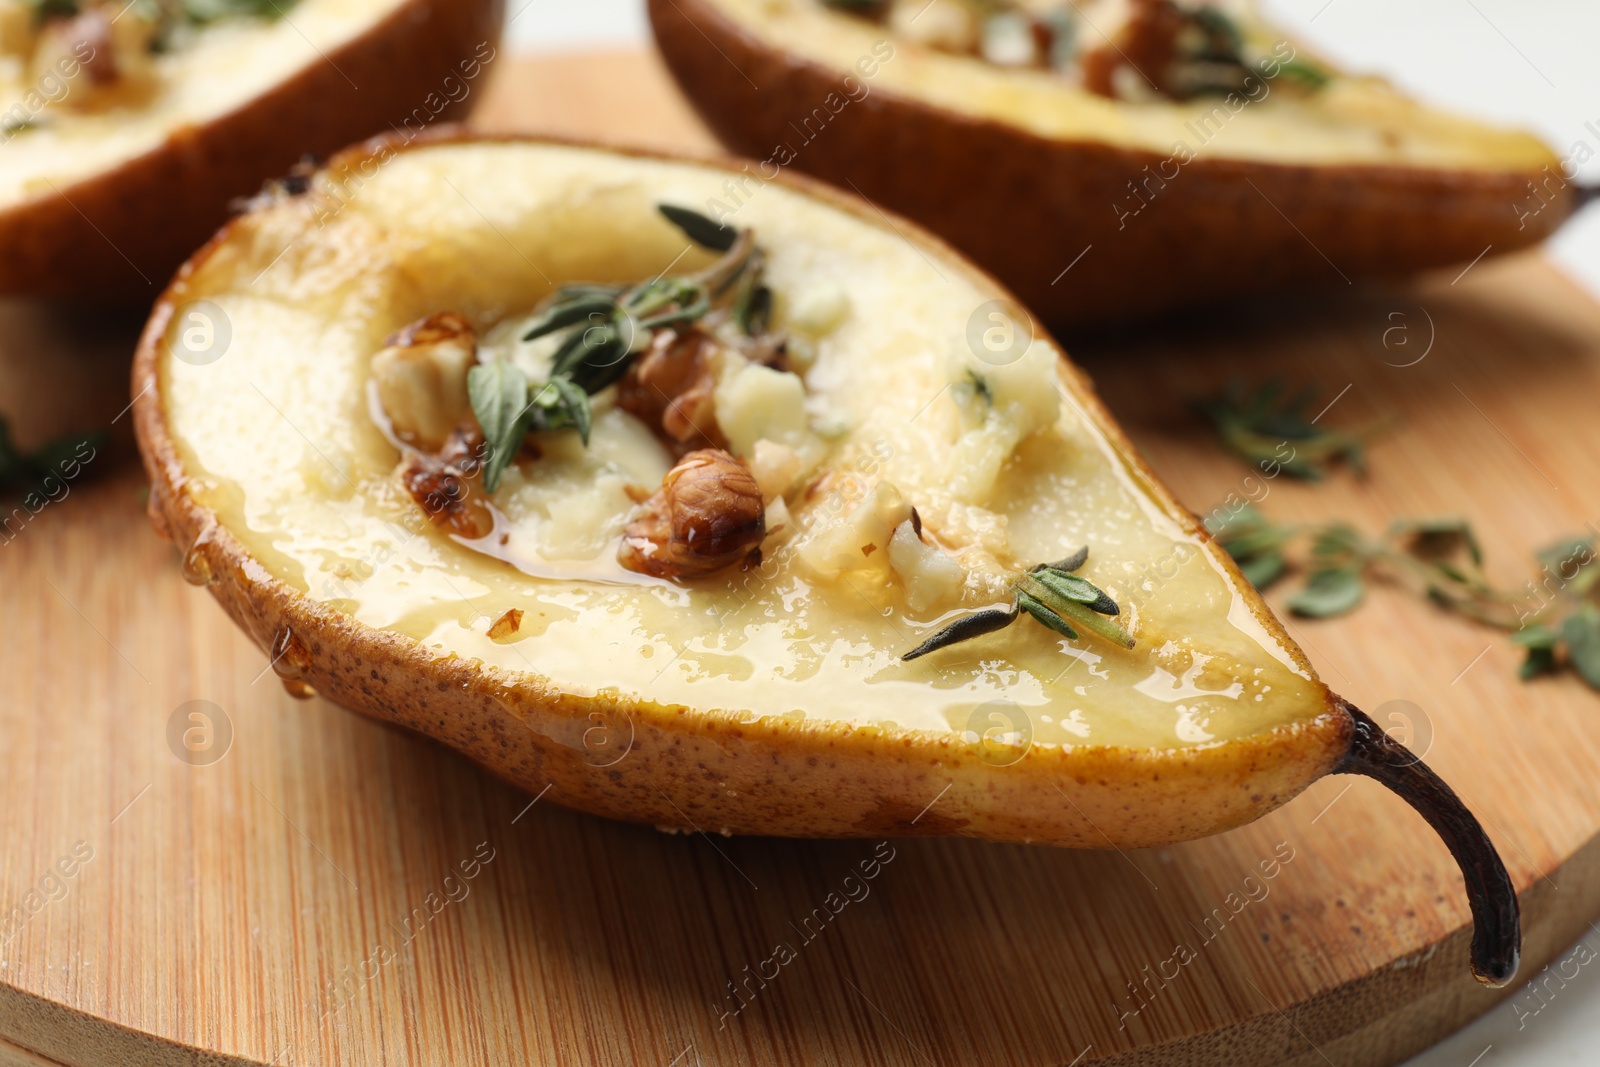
275, 426
1358, 120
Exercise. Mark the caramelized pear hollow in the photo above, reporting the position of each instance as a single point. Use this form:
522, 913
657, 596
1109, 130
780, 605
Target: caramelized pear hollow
1170, 203
916, 482
104, 193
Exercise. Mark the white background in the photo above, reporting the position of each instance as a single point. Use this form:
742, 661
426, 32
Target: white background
1532, 64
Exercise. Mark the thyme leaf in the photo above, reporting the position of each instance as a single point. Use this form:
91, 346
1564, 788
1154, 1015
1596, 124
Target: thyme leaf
204, 12
562, 404
1045, 616
869, 8
968, 626
498, 392
700, 229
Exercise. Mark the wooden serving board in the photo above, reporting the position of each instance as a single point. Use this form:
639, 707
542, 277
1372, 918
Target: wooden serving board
281, 882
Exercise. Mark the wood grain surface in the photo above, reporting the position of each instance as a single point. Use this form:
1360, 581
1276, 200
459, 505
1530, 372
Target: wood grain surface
281, 882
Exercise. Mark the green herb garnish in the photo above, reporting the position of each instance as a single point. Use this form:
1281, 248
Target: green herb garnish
871, 8
46, 9
1054, 596
603, 329
1274, 434
205, 12
1556, 621
1307, 74
28, 472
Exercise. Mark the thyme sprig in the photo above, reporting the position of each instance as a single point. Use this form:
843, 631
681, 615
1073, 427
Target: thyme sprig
603, 329
1556, 620
197, 12
1274, 433
1054, 596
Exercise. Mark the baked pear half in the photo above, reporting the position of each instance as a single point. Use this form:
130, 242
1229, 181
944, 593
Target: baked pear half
1168, 153
129, 126
784, 527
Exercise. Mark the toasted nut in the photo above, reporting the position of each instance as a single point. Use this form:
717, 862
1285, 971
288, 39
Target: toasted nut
421, 377
112, 52
507, 625
670, 388
446, 486
707, 516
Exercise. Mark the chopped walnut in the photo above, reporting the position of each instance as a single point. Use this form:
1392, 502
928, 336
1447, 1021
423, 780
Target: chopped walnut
507, 625
90, 34
1163, 50
446, 486
108, 43
421, 377
707, 516
670, 388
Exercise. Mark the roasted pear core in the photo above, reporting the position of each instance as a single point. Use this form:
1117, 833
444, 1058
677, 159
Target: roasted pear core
913, 471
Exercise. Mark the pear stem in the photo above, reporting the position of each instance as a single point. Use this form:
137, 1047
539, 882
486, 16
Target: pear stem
1496, 931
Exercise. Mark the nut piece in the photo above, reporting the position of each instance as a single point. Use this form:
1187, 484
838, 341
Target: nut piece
506, 626
105, 56
421, 377
707, 516
670, 388
446, 486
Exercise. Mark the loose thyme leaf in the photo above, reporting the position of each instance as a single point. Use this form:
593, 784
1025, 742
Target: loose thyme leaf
1264, 569
1581, 632
1571, 561
752, 311
1540, 643
1440, 537
1329, 593
968, 626
499, 395
699, 229
1254, 542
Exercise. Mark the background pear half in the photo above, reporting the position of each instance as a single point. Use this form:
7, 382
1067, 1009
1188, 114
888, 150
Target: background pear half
103, 204
1170, 204
763, 701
